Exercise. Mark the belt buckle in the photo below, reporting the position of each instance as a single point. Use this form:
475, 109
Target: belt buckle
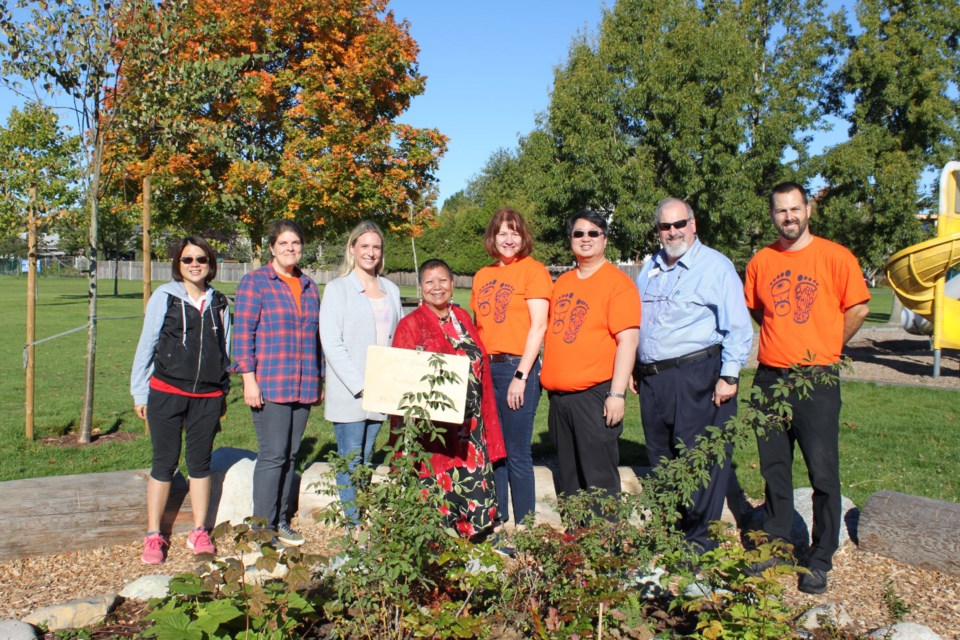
653, 368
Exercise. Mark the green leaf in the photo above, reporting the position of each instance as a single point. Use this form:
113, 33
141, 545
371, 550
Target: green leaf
212, 614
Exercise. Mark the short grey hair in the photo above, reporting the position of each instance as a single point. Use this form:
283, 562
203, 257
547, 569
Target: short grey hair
668, 201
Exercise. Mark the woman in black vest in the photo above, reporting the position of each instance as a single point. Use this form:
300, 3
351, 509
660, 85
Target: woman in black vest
179, 383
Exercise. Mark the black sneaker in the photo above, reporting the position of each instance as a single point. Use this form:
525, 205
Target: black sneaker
288, 536
501, 546
756, 569
814, 582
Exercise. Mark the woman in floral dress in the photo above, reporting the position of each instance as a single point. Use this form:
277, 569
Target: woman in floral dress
462, 459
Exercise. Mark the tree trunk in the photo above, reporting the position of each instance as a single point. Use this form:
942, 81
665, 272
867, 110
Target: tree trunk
31, 310
145, 246
257, 247
918, 531
86, 423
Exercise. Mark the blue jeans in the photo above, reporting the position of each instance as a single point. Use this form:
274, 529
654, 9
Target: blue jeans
352, 439
514, 476
279, 430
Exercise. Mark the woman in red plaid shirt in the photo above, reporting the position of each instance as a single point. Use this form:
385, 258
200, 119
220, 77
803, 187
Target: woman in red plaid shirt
277, 352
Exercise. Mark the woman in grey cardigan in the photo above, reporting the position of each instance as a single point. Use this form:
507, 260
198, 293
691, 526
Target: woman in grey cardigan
358, 309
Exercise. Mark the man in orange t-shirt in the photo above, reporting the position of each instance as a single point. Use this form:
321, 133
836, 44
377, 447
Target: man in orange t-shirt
809, 297
589, 349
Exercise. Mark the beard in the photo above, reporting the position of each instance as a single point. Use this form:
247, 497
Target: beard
792, 233
676, 249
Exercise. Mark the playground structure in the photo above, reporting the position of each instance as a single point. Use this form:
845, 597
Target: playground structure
919, 274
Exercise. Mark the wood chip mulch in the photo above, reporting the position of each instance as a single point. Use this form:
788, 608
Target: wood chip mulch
858, 582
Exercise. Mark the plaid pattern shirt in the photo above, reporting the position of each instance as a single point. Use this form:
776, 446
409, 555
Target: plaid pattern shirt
275, 340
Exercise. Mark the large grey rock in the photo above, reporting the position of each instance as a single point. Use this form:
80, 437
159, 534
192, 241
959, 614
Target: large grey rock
318, 489
75, 614
147, 587
904, 631
803, 519
17, 630
832, 612
316, 494
231, 485
803, 504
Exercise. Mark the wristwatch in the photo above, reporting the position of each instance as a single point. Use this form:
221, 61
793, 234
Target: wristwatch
614, 394
730, 379
520, 375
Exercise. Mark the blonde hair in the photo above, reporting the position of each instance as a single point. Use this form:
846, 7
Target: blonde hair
349, 262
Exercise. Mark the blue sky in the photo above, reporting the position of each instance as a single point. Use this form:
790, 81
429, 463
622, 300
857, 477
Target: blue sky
489, 68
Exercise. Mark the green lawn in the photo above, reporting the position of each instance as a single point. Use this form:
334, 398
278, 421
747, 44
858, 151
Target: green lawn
881, 302
904, 439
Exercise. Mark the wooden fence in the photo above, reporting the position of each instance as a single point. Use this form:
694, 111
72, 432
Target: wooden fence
233, 271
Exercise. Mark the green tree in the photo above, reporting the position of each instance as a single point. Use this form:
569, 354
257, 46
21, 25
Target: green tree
711, 102
904, 124
35, 151
65, 50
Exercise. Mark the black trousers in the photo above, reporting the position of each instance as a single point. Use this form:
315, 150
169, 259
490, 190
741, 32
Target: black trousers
815, 427
169, 416
588, 453
676, 406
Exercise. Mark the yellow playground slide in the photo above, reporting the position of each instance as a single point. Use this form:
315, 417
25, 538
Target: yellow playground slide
918, 274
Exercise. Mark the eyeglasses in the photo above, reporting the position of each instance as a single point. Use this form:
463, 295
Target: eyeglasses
593, 233
190, 259
679, 224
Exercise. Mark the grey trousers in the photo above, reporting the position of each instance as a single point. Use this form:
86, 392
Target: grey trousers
279, 430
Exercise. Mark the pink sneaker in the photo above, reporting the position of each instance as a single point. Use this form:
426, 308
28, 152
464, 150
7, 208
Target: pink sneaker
154, 549
199, 541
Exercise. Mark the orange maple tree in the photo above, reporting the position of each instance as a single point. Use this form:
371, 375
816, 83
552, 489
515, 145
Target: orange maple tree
310, 118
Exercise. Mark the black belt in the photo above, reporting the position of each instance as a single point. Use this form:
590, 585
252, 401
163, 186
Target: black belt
785, 371
502, 357
654, 368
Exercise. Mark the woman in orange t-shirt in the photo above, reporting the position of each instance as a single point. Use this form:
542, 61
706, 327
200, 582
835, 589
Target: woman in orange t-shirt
510, 301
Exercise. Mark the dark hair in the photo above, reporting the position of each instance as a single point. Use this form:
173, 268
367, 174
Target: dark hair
278, 227
434, 263
515, 223
590, 216
787, 187
196, 241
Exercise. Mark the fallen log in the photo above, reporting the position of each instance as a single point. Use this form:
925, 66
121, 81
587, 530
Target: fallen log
912, 529
59, 513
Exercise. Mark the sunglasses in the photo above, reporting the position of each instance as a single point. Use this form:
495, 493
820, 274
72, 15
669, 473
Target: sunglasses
593, 233
190, 259
679, 224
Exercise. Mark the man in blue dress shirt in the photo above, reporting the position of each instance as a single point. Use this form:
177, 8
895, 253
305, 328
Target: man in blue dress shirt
695, 335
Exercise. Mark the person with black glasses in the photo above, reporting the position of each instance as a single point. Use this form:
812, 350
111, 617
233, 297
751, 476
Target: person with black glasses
695, 336
179, 383
589, 349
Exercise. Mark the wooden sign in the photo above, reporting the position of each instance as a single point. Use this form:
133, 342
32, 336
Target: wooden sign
392, 372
